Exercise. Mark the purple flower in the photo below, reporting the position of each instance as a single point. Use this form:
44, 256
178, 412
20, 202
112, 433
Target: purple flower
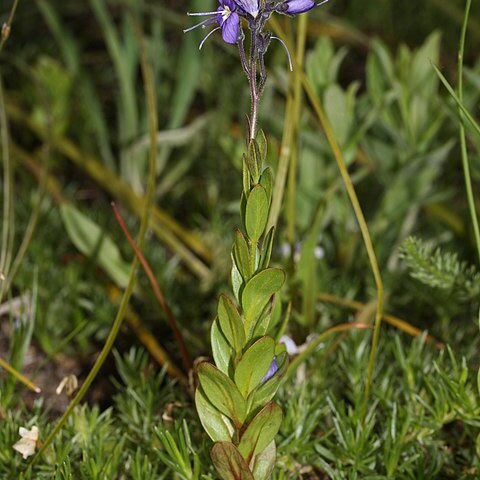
226, 18
299, 6
251, 7
271, 371
293, 7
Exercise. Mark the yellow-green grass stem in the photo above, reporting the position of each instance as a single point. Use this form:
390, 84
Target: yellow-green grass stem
337, 153
312, 346
463, 139
19, 376
296, 107
8, 223
150, 97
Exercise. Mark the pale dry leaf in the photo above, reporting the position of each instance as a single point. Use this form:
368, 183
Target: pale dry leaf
69, 383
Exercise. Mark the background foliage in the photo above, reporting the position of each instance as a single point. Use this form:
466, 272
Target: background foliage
73, 110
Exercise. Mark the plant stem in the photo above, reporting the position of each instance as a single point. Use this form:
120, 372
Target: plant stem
463, 140
254, 94
6, 27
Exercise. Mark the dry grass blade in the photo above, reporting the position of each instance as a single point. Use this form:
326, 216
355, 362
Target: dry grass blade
187, 361
21, 378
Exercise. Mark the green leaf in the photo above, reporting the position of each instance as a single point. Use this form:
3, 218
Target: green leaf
229, 462
261, 431
265, 392
254, 160
266, 181
231, 323
92, 241
254, 365
256, 213
222, 393
262, 145
217, 425
237, 280
265, 463
221, 349
241, 256
245, 176
267, 249
257, 292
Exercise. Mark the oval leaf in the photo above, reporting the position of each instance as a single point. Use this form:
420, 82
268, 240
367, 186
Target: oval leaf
231, 323
217, 425
241, 255
261, 431
266, 181
257, 293
222, 393
254, 365
256, 213
267, 246
265, 463
229, 462
222, 351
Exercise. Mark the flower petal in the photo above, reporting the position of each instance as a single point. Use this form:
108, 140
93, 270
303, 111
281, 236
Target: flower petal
228, 3
231, 28
249, 6
299, 6
271, 371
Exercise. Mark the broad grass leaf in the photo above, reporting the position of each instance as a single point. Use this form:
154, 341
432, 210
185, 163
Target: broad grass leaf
222, 392
217, 425
229, 462
261, 431
254, 365
94, 243
256, 213
231, 323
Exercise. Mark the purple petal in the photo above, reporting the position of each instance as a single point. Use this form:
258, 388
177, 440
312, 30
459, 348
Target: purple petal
231, 28
299, 6
228, 3
271, 371
249, 6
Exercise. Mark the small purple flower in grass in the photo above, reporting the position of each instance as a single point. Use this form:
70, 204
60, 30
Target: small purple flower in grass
271, 371
225, 17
